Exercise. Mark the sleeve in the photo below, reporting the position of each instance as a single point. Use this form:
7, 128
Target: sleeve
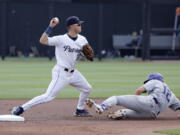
149, 86
53, 41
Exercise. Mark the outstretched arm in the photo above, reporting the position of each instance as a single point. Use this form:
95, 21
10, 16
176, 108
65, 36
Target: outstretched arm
44, 38
140, 91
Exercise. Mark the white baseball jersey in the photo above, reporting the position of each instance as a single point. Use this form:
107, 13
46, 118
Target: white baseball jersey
66, 49
163, 94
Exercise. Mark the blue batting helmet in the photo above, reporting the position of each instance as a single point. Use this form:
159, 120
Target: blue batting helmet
155, 76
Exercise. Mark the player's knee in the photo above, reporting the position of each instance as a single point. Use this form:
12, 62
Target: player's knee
89, 88
47, 98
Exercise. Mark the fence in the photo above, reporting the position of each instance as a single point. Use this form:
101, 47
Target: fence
22, 22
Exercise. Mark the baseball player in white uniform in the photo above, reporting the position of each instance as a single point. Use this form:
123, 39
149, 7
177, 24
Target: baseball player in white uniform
159, 98
67, 50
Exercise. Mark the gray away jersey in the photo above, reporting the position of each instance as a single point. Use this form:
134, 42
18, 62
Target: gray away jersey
163, 94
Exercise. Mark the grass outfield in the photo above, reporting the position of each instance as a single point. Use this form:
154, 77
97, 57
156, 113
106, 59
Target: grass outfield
170, 132
26, 78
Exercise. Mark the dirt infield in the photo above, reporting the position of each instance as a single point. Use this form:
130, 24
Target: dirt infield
56, 118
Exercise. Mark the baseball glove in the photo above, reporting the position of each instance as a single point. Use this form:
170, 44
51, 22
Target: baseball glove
88, 52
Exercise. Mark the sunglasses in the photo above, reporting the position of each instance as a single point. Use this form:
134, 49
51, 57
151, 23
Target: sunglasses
77, 24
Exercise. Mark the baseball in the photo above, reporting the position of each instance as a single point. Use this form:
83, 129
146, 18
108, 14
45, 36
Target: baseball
56, 19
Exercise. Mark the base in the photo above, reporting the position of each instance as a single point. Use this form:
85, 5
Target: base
11, 118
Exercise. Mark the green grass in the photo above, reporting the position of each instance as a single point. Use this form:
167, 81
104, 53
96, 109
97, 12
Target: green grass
170, 132
29, 77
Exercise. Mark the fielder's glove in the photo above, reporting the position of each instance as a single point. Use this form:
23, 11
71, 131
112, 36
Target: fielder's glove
88, 52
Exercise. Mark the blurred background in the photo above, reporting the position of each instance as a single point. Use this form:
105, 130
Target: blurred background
146, 29
125, 35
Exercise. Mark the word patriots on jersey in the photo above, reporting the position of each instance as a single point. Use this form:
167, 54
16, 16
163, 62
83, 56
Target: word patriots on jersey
69, 49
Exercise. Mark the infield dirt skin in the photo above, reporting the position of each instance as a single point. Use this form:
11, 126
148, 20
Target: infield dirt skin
56, 118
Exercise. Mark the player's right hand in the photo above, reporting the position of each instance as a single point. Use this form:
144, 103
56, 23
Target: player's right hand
54, 21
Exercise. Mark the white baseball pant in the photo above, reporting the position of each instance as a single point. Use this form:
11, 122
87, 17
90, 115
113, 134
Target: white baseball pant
61, 78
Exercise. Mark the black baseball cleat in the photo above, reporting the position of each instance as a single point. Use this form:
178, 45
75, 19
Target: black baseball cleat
17, 110
82, 113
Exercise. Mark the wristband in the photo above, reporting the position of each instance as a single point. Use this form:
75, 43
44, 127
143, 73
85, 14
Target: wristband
48, 30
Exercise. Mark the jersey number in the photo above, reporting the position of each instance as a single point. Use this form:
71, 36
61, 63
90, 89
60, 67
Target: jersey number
167, 93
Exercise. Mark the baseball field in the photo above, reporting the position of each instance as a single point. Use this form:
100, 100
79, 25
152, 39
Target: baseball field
23, 78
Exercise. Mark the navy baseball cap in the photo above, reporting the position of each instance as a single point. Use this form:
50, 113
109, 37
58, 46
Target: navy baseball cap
73, 20
154, 76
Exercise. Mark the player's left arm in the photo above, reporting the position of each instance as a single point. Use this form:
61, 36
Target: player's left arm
140, 90
146, 87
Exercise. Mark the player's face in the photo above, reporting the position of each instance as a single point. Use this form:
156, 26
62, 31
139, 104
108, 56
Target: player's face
77, 28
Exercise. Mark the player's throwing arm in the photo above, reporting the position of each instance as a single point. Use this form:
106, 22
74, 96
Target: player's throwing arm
44, 38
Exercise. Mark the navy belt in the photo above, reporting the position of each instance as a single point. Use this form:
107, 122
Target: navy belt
155, 100
67, 70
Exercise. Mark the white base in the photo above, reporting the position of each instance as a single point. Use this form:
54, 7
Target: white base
11, 118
